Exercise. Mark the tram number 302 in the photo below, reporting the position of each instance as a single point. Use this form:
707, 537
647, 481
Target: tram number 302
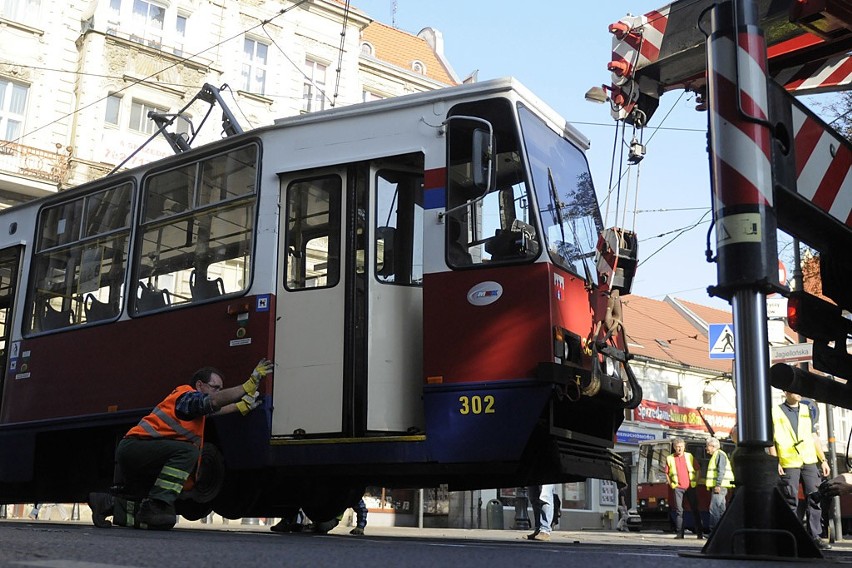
477, 404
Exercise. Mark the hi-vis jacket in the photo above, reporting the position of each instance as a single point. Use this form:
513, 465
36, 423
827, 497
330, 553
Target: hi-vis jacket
162, 423
794, 449
727, 479
690, 467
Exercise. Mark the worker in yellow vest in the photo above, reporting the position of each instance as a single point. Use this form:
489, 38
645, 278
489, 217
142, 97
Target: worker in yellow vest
720, 478
682, 471
800, 458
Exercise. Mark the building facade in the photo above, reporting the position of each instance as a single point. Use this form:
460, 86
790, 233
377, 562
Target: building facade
78, 79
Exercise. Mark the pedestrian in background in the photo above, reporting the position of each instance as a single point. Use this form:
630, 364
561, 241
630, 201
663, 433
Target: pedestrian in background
720, 478
360, 509
541, 497
682, 471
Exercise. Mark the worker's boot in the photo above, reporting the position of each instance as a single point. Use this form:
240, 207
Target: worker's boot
156, 515
102, 506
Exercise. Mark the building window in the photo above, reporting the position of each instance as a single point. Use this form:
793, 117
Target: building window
13, 104
418, 67
673, 394
180, 34
254, 66
20, 10
367, 49
113, 106
367, 96
575, 495
148, 19
314, 91
139, 120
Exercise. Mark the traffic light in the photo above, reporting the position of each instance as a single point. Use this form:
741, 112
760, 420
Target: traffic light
822, 322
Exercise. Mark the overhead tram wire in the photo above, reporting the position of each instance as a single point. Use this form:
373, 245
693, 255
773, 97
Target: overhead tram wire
340, 53
155, 73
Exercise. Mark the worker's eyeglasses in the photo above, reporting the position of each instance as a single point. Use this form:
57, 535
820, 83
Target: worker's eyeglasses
214, 387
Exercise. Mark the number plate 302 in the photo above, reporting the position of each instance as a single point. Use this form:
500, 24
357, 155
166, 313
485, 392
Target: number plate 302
476, 404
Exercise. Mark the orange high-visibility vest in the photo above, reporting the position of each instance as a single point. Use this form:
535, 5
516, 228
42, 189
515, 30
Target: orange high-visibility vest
162, 423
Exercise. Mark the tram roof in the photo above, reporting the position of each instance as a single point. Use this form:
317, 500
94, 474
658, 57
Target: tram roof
484, 88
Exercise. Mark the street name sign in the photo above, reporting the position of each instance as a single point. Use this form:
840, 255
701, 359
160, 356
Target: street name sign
798, 353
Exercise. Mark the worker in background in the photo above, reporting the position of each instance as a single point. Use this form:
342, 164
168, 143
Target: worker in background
800, 459
682, 471
720, 478
166, 445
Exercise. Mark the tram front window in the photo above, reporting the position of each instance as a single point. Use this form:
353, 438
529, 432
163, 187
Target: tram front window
570, 216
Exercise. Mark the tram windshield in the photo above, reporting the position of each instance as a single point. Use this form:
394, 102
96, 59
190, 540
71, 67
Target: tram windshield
570, 218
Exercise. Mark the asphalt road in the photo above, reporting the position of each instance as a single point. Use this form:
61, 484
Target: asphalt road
80, 545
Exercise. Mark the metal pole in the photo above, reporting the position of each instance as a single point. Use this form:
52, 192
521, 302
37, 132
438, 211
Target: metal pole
832, 462
420, 512
751, 367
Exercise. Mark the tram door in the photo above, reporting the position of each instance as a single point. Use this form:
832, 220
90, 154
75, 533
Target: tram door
348, 328
10, 261
311, 323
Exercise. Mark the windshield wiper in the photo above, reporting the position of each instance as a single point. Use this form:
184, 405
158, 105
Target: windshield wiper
554, 200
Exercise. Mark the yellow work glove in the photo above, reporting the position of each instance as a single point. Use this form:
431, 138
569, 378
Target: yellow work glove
263, 368
248, 403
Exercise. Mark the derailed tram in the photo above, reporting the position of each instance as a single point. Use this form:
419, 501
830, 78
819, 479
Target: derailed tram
428, 274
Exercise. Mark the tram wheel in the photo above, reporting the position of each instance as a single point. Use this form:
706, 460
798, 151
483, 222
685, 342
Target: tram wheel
210, 478
327, 503
192, 510
239, 493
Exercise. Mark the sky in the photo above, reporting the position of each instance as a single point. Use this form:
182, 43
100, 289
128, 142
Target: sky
560, 49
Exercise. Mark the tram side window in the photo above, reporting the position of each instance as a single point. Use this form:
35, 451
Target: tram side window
197, 231
313, 233
497, 227
80, 261
399, 227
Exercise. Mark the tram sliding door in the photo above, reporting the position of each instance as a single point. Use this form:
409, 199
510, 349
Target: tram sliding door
348, 341
10, 262
310, 324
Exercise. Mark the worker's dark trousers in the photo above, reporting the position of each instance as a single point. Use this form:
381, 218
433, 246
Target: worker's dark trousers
167, 462
808, 474
692, 498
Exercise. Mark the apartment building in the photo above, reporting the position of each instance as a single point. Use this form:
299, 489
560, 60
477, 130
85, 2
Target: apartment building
78, 78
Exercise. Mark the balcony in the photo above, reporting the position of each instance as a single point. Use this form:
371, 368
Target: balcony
34, 164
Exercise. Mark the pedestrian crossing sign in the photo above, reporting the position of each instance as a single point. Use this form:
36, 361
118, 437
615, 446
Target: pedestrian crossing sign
720, 338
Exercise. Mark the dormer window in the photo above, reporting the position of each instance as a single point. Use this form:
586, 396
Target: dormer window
367, 48
418, 67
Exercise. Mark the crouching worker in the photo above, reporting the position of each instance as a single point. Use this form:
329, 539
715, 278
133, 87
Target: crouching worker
166, 444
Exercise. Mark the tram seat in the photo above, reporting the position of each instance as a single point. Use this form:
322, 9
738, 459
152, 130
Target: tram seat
51, 318
503, 245
205, 289
149, 298
97, 310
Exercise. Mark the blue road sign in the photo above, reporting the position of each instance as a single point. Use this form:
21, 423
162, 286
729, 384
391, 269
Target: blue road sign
720, 339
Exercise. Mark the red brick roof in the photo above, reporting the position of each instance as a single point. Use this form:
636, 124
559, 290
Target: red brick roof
657, 330
402, 49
